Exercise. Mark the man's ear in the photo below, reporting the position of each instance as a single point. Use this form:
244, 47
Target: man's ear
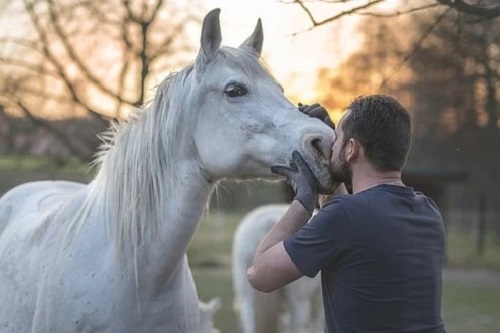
353, 150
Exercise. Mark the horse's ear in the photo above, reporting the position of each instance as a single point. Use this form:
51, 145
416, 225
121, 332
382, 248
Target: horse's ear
211, 37
255, 40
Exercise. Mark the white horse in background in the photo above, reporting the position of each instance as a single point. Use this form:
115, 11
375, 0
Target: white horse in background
295, 308
110, 256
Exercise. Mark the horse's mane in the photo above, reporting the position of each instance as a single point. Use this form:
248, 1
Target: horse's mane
138, 158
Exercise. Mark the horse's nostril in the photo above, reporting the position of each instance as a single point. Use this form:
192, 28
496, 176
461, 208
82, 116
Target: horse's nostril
316, 144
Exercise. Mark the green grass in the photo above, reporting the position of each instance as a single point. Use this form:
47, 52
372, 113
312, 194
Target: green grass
217, 282
210, 257
35, 163
472, 305
214, 233
462, 251
15, 170
469, 304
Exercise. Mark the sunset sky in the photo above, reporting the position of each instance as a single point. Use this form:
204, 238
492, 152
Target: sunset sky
292, 50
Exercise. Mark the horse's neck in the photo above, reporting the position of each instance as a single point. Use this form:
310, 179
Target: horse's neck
159, 259
151, 199
182, 215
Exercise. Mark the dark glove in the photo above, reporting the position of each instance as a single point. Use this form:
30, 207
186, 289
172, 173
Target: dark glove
317, 111
302, 180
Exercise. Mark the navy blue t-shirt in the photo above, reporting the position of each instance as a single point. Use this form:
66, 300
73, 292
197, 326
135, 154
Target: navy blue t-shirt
380, 253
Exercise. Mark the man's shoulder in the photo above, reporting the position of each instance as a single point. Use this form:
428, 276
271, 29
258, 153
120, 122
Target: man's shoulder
348, 202
379, 198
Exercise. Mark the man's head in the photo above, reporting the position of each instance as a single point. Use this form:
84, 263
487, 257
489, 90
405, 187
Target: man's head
381, 126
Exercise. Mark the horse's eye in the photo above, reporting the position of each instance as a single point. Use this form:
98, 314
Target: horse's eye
235, 90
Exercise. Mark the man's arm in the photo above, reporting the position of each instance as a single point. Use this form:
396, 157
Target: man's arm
272, 267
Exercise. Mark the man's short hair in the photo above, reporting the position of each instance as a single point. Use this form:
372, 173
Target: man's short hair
383, 127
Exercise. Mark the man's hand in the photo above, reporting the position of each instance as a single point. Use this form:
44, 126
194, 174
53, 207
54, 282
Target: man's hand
317, 111
302, 180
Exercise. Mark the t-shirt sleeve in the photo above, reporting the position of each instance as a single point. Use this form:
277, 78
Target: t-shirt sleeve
321, 242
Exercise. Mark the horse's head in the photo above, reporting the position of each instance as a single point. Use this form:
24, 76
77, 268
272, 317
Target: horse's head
245, 123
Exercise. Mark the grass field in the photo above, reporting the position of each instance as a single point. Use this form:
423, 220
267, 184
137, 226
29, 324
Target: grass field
471, 301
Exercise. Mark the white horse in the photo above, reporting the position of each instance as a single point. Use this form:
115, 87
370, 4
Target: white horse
110, 256
295, 308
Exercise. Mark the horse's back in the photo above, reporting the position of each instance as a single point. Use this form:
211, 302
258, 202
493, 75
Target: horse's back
255, 225
23, 212
28, 198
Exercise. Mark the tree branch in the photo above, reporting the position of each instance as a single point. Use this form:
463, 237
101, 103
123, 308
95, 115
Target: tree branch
27, 43
482, 11
76, 60
36, 68
53, 60
165, 44
353, 10
121, 83
130, 13
487, 12
401, 13
415, 48
156, 10
91, 7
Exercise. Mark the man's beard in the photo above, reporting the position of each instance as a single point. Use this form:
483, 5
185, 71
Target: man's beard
341, 171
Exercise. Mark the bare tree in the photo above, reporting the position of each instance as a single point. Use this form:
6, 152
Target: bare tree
89, 57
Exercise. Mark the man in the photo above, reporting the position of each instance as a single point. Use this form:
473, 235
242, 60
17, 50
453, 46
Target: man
380, 250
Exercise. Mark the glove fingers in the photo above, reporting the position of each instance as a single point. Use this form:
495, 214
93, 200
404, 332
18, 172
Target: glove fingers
304, 169
302, 107
287, 173
327, 120
281, 170
319, 113
310, 108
